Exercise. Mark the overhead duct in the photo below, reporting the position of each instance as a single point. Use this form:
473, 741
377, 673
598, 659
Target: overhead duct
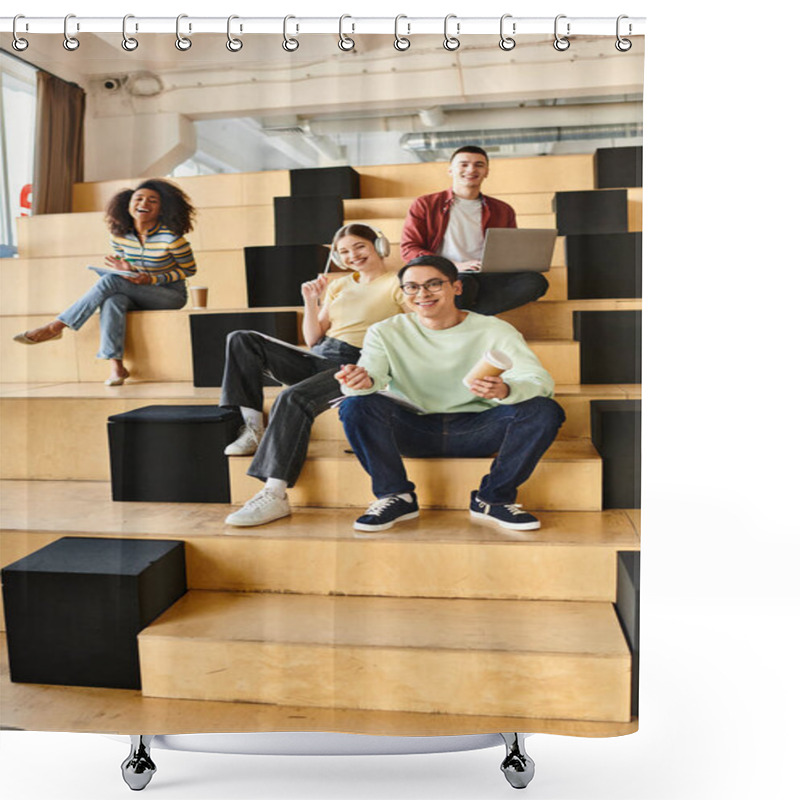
430, 141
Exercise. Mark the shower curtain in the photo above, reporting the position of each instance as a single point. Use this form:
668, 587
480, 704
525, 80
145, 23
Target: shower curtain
441, 625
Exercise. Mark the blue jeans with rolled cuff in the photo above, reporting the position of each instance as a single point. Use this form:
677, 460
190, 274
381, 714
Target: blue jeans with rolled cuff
249, 359
115, 296
381, 432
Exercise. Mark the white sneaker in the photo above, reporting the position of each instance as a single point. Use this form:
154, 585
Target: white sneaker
263, 507
246, 444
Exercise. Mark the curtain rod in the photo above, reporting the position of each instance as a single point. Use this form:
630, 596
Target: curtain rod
402, 25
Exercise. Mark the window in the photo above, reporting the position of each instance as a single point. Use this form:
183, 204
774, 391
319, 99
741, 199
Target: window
17, 135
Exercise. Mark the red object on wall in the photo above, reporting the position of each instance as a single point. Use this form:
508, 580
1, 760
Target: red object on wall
25, 197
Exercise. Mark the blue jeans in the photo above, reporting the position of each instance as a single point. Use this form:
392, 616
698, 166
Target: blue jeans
249, 358
381, 431
115, 296
492, 293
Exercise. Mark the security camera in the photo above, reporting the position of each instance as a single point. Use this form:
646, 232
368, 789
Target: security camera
111, 84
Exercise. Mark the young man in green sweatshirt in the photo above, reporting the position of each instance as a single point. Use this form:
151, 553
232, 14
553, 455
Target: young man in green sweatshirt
423, 358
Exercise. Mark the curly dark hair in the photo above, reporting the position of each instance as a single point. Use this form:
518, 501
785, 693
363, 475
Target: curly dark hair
177, 212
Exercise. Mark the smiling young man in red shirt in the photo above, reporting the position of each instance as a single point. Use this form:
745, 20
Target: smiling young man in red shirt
453, 224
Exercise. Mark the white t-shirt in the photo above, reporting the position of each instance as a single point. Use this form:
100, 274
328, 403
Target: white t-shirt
463, 239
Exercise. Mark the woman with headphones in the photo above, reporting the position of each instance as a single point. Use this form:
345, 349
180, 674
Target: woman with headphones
337, 313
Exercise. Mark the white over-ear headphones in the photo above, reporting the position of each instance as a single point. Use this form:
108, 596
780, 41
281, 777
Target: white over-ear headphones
381, 243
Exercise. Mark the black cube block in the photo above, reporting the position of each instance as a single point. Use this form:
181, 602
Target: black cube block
618, 167
627, 606
172, 454
209, 333
592, 212
616, 435
604, 265
274, 274
321, 181
307, 220
74, 608
611, 345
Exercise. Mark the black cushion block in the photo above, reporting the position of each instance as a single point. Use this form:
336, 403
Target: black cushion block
592, 212
172, 454
74, 608
616, 434
611, 345
274, 274
342, 181
209, 333
618, 167
628, 611
307, 220
604, 265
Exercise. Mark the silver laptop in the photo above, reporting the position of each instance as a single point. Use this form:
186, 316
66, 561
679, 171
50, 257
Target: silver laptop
518, 249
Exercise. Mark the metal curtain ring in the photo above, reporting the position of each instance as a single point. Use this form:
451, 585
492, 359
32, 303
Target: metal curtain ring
507, 42
451, 42
289, 44
70, 42
181, 42
561, 43
623, 45
128, 42
345, 42
19, 44
233, 44
400, 42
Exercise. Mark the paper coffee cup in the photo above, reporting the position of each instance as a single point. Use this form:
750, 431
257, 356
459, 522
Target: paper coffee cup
491, 363
199, 296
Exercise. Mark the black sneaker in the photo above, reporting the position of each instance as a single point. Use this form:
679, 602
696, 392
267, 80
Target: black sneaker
508, 515
383, 513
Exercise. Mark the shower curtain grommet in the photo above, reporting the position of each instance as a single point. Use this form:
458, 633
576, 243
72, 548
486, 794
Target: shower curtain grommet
289, 44
401, 43
233, 44
18, 43
129, 43
623, 45
71, 43
450, 43
560, 43
345, 42
181, 41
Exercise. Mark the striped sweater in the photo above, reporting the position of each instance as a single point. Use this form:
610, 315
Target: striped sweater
165, 257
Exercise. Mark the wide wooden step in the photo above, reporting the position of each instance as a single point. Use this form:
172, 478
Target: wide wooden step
547, 659
82, 709
229, 189
316, 551
48, 285
158, 348
47, 451
220, 228
553, 320
568, 478
509, 175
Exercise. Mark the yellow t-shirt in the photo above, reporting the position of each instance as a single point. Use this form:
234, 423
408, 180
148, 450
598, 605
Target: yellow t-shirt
354, 306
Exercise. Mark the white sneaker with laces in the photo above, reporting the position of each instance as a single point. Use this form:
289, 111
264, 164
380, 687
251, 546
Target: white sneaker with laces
246, 444
264, 506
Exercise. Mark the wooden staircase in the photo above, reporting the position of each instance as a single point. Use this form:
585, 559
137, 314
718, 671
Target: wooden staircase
441, 625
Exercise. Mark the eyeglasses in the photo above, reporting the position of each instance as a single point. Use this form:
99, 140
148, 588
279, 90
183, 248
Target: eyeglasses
433, 286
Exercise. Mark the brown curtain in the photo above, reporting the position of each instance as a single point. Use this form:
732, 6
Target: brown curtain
58, 155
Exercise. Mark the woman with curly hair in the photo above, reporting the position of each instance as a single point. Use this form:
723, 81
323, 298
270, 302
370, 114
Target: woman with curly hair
150, 265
